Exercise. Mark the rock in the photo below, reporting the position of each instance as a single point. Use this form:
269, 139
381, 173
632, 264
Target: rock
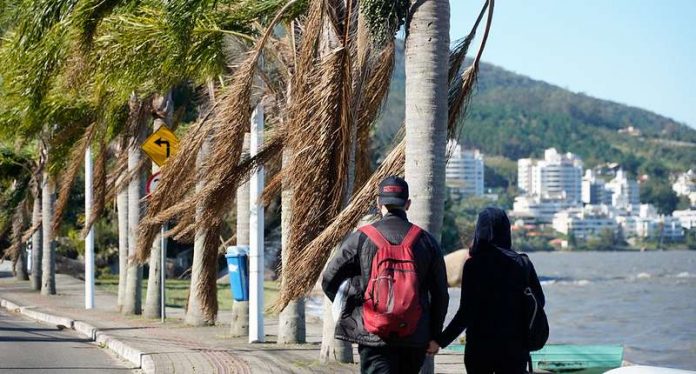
455, 263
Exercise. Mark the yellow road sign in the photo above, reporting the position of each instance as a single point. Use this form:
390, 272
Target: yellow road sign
161, 145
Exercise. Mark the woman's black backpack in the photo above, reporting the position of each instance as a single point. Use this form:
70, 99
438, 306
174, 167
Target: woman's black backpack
538, 328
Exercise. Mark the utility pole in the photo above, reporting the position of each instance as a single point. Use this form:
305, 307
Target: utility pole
256, 236
89, 239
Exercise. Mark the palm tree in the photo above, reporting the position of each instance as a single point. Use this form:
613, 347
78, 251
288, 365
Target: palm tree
15, 179
122, 211
427, 57
201, 310
291, 321
426, 102
134, 275
48, 259
240, 309
36, 243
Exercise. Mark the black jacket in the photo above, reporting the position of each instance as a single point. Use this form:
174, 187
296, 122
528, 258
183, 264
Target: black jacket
491, 307
354, 262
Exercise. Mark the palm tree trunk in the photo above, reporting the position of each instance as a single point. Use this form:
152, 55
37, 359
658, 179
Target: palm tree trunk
36, 247
240, 309
48, 262
21, 266
196, 310
291, 322
153, 299
134, 276
427, 56
122, 208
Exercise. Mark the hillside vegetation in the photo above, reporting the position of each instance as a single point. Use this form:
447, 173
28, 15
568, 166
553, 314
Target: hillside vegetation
513, 116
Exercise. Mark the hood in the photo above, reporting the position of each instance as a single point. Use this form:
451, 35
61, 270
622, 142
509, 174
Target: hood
492, 230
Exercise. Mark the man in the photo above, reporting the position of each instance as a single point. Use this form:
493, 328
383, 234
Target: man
386, 351
491, 307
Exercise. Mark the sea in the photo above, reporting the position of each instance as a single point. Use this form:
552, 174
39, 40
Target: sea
645, 301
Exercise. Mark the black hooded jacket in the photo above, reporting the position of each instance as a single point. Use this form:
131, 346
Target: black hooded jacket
493, 280
354, 262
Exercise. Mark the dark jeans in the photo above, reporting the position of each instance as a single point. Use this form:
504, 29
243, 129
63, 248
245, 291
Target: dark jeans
478, 363
390, 360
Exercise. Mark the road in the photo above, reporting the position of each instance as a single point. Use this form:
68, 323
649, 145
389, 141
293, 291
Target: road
30, 347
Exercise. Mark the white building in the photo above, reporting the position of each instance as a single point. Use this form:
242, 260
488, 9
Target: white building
464, 171
686, 217
594, 189
557, 176
540, 209
648, 224
590, 220
524, 175
685, 185
625, 192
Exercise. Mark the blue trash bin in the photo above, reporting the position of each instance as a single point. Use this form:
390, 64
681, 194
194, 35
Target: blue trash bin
238, 271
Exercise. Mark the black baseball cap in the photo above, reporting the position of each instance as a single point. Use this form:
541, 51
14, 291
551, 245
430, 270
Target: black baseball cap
393, 191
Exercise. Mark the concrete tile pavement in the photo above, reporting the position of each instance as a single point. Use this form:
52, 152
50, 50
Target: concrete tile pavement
175, 347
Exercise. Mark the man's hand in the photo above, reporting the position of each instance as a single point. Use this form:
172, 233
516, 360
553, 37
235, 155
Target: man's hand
433, 348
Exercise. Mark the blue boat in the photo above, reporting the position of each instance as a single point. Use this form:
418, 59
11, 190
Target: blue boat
558, 358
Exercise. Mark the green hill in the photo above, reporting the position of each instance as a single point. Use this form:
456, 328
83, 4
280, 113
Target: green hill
513, 116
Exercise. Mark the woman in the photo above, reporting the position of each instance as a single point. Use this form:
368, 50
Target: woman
491, 307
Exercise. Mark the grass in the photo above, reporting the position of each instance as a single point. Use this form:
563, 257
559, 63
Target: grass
177, 290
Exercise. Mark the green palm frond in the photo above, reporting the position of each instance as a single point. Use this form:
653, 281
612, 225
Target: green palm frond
38, 17
88, 14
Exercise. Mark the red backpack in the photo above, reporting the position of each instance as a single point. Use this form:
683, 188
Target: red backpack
392, 305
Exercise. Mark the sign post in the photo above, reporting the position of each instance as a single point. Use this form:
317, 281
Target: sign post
89, 239
161, 145
256, 236
163, 271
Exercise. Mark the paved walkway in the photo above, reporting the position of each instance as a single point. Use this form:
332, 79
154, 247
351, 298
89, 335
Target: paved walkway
175, 347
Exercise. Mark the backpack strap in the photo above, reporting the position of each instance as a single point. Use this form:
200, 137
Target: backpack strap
411, 236
375, 236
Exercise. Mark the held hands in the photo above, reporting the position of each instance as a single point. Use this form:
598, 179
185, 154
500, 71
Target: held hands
433, 348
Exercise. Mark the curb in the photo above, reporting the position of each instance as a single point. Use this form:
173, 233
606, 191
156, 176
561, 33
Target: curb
138, 358
46, 318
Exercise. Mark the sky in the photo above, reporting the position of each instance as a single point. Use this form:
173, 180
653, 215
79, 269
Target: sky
636, 52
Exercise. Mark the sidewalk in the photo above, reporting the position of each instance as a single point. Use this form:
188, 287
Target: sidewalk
175, 347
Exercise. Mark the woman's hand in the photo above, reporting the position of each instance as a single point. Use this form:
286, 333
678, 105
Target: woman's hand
433, 348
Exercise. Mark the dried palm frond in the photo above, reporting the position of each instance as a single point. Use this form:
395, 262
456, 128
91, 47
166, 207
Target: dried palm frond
462, 87
36, 199
300, 279
460, 50
373, 97
19, 222
185, 229
229, 121
310, 262
320, 136
207, 288
273, 188
77, 157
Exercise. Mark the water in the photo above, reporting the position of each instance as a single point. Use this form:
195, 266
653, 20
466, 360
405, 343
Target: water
644, 301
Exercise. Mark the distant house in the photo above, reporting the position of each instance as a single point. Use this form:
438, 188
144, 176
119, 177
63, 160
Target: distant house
585, 222
630, 131
685, 185
687, 218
